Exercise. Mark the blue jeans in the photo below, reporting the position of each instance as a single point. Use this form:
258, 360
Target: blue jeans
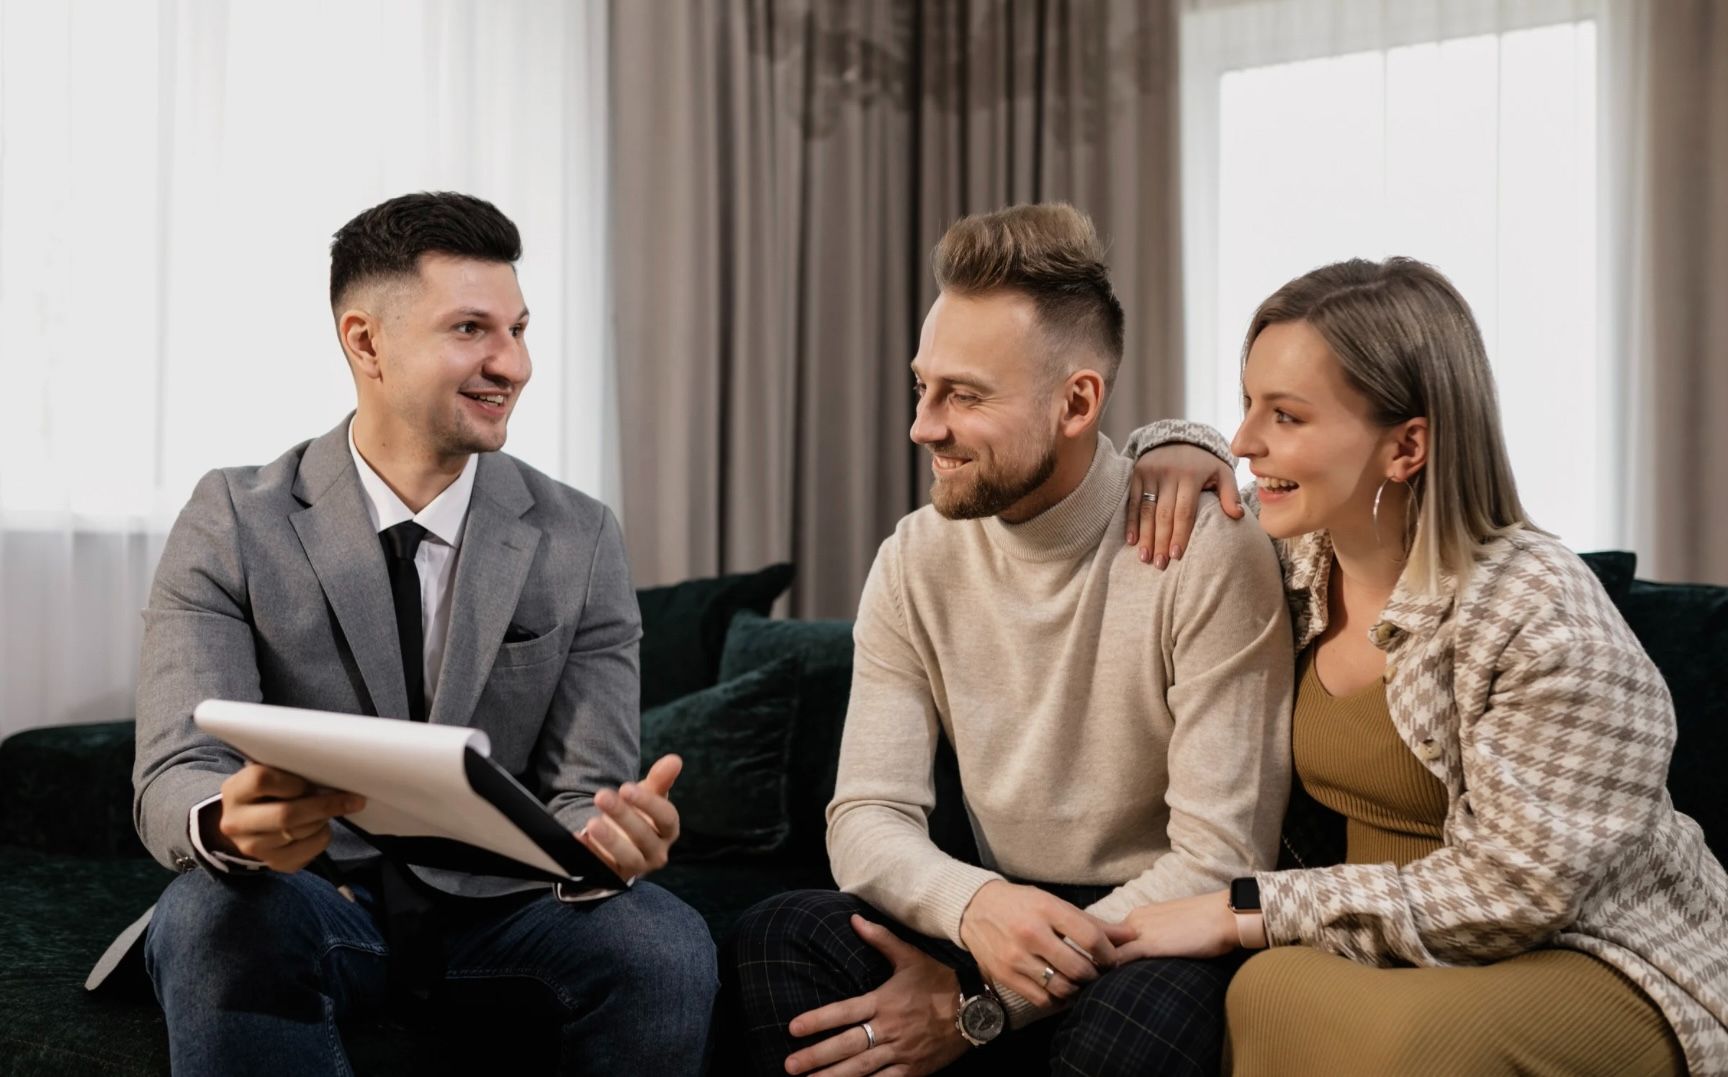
255, 970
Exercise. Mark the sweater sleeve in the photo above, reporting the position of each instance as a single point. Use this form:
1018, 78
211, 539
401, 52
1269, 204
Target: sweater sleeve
1230, 695
1565, 761
879, 845
1161, 432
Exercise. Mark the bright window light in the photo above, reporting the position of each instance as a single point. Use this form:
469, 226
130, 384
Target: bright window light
1475, 154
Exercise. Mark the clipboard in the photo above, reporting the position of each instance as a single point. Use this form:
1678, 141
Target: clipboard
434, 796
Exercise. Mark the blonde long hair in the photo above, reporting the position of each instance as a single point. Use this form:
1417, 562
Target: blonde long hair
1408, 342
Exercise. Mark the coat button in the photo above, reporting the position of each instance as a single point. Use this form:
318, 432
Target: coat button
184, 864
1429, 750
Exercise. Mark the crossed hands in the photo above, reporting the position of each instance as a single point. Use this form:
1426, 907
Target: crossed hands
1013, 932
1037, 945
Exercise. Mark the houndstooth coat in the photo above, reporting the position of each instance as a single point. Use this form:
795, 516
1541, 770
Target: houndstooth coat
1529, 697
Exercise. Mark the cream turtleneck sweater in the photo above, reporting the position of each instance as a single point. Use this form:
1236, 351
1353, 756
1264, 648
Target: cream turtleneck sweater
1115, 725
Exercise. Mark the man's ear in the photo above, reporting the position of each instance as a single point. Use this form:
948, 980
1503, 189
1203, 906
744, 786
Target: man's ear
1082, 397
1409, 449
359, 331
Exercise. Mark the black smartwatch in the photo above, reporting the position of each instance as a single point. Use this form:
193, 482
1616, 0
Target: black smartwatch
981, 1017
1245, 894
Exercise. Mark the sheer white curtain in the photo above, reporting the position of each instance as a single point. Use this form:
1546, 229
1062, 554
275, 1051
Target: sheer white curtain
170, 175
1463, 133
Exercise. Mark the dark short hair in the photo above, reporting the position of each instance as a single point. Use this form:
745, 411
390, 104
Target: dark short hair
1050, 252
388, 239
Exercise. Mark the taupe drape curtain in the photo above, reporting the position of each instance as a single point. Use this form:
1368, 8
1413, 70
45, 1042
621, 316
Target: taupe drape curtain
781, 169
1666, 276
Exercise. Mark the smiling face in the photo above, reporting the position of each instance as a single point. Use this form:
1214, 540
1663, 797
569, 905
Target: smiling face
986, 410
1310, 437
451, 357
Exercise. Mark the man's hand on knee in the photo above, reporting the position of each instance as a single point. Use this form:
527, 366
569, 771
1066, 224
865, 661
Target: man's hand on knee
906, 1026
1034, 943
277, 818
638, 822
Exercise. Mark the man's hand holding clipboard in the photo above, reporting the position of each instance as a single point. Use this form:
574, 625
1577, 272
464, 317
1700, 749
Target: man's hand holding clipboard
427, 795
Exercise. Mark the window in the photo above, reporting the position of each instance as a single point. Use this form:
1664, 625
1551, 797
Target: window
170, 176
1316, 131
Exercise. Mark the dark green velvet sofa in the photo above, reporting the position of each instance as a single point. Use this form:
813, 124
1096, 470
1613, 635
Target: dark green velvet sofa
755, 705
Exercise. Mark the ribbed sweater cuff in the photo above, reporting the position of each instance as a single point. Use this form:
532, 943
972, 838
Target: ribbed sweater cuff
1020, 1012
951, 889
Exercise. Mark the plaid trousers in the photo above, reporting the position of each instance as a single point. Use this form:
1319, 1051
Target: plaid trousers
797, 951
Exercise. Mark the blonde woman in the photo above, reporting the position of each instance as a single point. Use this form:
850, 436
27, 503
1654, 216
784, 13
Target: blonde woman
1517, 892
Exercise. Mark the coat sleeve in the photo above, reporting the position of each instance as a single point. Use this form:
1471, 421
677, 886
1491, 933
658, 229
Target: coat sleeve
197, 645
591, 737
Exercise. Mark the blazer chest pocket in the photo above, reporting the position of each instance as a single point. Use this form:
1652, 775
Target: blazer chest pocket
519, 654
513, 702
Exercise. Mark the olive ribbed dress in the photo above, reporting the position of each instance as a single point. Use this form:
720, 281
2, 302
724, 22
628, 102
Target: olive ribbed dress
1296, 1010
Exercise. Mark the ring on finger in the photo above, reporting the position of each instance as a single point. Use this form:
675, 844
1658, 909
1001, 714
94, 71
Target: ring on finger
1149, 498
288, 837
1049, 974
869, 1035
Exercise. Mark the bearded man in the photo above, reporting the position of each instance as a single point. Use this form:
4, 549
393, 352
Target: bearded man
1122, 735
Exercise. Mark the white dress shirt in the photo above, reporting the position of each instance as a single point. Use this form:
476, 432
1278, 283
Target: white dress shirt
443, 518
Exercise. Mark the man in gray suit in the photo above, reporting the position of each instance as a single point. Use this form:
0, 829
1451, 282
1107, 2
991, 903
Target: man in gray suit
401, 566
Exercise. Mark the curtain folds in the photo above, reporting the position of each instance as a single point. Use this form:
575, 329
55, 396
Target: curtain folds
781, 171
1664, 276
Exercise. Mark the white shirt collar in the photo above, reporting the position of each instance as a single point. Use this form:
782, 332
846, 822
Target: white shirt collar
445, 515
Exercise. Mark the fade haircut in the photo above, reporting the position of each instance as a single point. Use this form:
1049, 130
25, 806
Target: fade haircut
1049, 252
388, 239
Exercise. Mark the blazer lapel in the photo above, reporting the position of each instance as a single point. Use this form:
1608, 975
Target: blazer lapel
337, 535
491, 567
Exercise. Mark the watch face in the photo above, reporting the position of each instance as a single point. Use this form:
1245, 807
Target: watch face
982, 1018
1245, 894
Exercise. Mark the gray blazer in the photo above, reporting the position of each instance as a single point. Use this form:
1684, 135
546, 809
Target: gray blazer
272, 588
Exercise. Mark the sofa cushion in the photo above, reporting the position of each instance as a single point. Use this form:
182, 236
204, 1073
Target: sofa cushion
732, 794
1684, 627
68, 789
684, 627
825, 650
1614, 568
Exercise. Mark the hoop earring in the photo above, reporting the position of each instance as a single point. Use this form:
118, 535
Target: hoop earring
1409, 508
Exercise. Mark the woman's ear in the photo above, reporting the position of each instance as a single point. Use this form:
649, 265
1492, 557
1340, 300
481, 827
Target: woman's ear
1409, 449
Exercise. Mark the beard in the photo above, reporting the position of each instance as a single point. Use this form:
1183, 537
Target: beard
993, 490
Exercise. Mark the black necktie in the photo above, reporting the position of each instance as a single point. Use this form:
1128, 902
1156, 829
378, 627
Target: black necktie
400, 544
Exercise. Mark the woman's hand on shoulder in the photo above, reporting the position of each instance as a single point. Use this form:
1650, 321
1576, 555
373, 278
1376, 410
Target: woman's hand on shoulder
1164, 498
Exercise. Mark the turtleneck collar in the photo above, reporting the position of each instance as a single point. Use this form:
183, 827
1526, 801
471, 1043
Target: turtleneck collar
1075, 524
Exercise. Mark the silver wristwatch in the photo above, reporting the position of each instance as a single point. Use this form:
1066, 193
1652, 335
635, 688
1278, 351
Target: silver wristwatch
981, 1016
